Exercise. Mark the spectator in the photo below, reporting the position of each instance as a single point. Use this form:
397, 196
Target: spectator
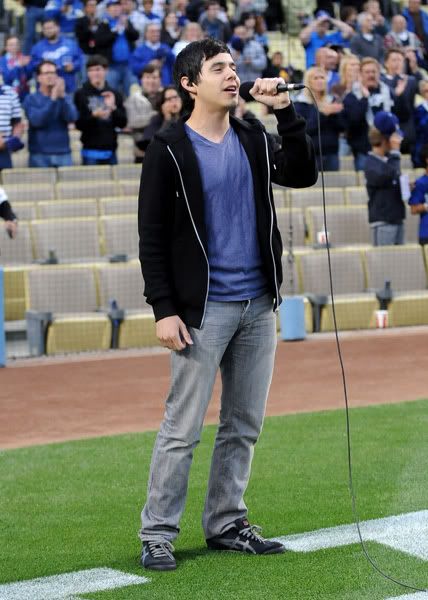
101, 113
192, 32
180, 7
49, 112
10, 125
94, 34
411, 65
366, 43
276, 68
7, 214
418, 200
328, 59
152, 50
249, 55
379, 23
135, 17
15, 67
148, 14
168, 108
349, 15
119, 74
212, 24
275, 16
417, 22
141, 104
316, 34
405, 86
66, 13
34, 14
65, 53
171, 30
349, 73
331, 117
382, 172
400, 36
368, 96
421, 126
256, 27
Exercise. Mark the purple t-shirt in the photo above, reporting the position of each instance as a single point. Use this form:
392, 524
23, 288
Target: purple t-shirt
236, 268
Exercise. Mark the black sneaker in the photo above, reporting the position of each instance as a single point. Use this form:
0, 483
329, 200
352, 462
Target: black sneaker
158, 556
244, 537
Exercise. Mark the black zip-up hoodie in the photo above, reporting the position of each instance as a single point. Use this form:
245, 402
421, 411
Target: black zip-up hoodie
383, 188
97, 133
173, 240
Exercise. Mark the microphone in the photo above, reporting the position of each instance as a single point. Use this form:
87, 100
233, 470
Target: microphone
244, 89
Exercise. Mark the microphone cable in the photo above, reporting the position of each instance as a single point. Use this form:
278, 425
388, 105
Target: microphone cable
357, 521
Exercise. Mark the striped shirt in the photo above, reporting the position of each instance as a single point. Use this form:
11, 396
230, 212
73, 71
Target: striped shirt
10, 109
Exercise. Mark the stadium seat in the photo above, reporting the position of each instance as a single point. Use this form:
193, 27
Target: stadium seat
338, 179
356, 195
404, 267
120, 235
85, 173
27, 175
298, 224
68, 298
313, 197
406, 161
346, 163
70, 239
129, 187
279, 197
14, 292
67, 208
30, 193
354, 307
87, 189
124, 284
347, 225
411, 227
25, 211
119, 206
127, 171
17, 251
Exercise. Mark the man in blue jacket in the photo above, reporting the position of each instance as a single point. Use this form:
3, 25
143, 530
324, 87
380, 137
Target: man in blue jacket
49, 112
64, 52
153, 51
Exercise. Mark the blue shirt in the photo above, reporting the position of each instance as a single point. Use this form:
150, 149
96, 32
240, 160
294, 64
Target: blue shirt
230, 217
419, 195
316, 41
48, 120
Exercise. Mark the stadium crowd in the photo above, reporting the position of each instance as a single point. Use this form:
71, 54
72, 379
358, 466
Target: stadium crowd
105, 67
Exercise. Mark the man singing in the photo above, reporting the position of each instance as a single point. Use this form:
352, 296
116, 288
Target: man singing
210, 252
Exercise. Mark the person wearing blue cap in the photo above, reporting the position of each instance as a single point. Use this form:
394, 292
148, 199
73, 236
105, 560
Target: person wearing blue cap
317, 34
418, 199
382, 171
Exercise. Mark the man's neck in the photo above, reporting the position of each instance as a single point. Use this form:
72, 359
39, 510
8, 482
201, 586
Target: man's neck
211, 125
379, 151
53, 40
46, 91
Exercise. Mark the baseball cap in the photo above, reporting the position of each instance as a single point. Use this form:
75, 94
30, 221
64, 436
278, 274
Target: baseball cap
387, 123
110, 2
322, 14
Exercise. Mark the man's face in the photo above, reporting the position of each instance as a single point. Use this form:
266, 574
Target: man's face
50, 30
12, 45
395, 63
323, 27
329, 59
398, 24
218, 85
151, 82
414, 5
172, 103
47, 77
127, 6
370, 75
241, 31
97, 76
114, 10
193, 32
277, 59
91, 8
153, 34
367, 24
147, 6
212, 11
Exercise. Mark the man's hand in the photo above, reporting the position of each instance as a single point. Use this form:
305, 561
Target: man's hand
265, 92
331, 108
401, 86
101, 113
172, 333
11, 228
395, 141
58, 90
109, 100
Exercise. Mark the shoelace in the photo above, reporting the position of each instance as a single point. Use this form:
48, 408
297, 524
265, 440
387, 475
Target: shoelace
161, 549
252, 532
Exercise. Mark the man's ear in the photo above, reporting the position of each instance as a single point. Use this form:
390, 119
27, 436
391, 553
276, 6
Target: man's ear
189, 87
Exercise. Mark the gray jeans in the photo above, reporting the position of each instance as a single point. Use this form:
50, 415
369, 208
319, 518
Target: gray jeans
240, 339
388, 235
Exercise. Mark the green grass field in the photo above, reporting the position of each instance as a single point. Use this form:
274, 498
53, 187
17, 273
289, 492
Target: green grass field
73, 506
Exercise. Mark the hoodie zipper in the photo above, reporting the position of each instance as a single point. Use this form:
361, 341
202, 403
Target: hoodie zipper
196, 232
271, 224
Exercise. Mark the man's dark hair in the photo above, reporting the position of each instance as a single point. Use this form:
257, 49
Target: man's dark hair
189, 64
150, 69
45, 62
97, 61
51, 20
